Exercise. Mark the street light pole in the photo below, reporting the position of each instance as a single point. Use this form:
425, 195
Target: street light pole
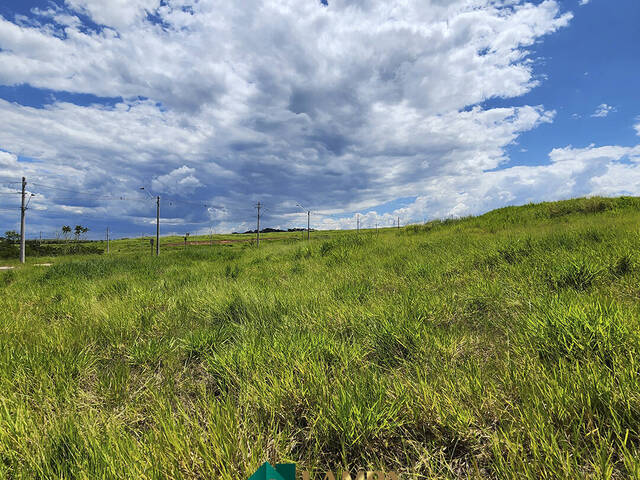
308, 220
258, 207
157, 220
158, 226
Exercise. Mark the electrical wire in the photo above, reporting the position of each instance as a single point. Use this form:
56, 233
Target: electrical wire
77, 192
172, 202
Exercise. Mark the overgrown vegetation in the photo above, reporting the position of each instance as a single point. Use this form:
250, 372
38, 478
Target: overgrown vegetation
502, 346
10, 246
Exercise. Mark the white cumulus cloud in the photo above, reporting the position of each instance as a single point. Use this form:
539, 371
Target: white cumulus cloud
181, 180
572, 172
343, 107
603, 110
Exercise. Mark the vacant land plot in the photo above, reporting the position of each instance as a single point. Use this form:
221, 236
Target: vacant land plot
502, 346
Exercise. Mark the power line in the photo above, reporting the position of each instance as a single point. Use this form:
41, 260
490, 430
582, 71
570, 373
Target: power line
89, 212
77, 192
197, 203
171, 201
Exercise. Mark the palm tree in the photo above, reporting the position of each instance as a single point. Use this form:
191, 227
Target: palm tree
79, 230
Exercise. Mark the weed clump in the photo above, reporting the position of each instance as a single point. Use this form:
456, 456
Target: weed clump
338, 250
578, 275
303, 252
231, 272
514, 252
7, 278
203, 342
353, 290
623, 265
581, 332
393, 344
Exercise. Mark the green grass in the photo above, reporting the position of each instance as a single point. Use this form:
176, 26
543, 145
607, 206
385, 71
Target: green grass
502, 346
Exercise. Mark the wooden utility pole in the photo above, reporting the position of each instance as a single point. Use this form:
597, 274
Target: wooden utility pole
158, 225
23, 209
258, 206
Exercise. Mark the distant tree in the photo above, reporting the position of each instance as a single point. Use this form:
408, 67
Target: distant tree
79, 230
11, 236
8, 244
66, 231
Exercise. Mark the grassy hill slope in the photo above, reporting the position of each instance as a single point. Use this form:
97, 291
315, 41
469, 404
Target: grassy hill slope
505, 345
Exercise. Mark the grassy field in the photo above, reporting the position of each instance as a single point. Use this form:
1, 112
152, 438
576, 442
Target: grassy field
502, 346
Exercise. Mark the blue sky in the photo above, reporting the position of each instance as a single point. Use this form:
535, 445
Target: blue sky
593, 62
420, 109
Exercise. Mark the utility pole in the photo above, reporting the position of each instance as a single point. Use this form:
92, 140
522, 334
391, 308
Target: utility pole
258, 229
357, 222
23, 208
158, 225
398, 223
211, 235
107, 239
